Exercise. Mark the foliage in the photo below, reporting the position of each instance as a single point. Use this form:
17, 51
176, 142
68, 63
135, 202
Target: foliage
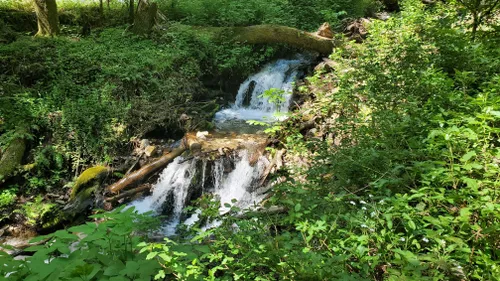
480, 11
405, 187
102, 250
296, 13
7, 197
36, 209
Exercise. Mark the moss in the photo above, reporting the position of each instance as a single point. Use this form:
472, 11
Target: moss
12, 157
88, 177
36, 210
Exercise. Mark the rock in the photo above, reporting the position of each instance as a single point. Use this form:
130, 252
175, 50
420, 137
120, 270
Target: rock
325, 31
195, 147
312, 133
144, 143
184, 117
202, 135
382, 16
150, 151
326, 65
12, 158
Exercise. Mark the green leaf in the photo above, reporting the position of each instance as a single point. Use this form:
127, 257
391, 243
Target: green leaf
467, 156
114, 268
412, 225
151, 255
297, 207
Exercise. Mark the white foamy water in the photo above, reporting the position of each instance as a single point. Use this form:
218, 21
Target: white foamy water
240, 184
249, 105
178, 178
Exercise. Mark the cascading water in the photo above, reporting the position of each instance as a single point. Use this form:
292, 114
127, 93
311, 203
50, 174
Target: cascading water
229, 178
180, 180
250, 105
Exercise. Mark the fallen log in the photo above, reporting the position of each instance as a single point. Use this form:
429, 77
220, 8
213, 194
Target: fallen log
271, 34
128, 193
137, 177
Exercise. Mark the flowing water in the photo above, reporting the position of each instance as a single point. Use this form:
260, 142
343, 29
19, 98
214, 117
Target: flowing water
231, 179
250, 105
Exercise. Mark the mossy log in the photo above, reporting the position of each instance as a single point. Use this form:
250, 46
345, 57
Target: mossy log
11, 158
277, 34
91, 176
271, 34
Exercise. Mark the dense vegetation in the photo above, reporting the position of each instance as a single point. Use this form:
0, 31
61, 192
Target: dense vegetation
402, 173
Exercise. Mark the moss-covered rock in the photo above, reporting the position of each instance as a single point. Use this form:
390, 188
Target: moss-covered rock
89, 178
12, 158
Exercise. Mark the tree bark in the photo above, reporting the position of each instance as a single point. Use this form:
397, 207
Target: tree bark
145, 18
138, 176
131, 12
47, 18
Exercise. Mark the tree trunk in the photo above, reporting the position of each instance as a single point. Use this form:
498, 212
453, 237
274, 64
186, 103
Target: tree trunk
131, 12
128, 193
145, 18
475, 25
101, 8
47, 18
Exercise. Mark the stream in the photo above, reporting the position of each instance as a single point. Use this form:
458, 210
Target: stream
233, 179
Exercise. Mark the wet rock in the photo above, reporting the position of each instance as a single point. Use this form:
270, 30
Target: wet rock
248, 93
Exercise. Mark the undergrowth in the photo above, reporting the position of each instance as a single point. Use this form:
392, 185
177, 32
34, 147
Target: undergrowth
402, 182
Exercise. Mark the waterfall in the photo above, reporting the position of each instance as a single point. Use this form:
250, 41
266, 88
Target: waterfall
231, 179
249, 105
180, 181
